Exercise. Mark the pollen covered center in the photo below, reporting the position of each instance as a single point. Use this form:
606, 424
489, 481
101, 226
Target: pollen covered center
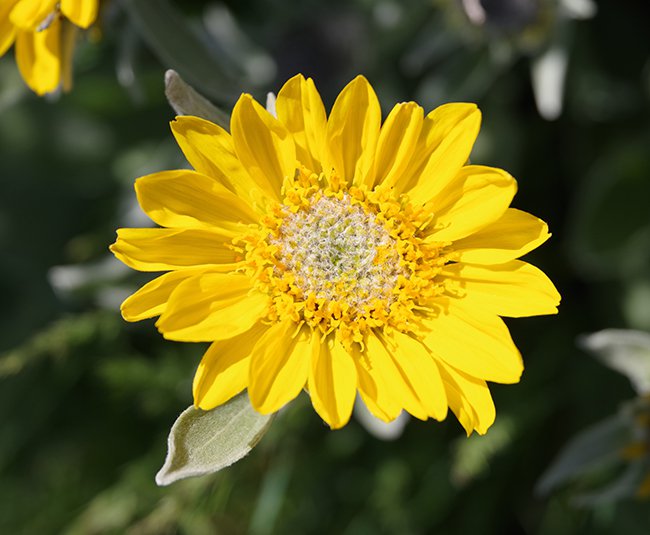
343, 259
339, 252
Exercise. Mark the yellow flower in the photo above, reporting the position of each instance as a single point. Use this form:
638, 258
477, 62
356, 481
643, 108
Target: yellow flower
338, 256
44, 38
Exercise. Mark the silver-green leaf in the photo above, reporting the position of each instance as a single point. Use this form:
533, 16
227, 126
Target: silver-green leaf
203, 442
591, 448
624, 350
381, 430
624, 486
186, 101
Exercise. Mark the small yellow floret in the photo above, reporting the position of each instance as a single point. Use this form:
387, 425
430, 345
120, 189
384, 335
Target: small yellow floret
344, 259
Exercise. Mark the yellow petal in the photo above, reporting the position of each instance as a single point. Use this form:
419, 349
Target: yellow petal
212, 306
458, 403
474, 342
477, 197
332, 380
151, 299
161, 249
279, 366
81, 13
388, 375
469, 399
211, 151
397, 141
352, 131
187, 199
421, 371
300, 109
7, 36
374, 393
446, 139
513, 235
7, 28
30, 14
223, 371
514, 289
38, 57
264, 146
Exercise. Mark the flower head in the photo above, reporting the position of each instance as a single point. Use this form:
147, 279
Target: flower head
341, 256
43, 31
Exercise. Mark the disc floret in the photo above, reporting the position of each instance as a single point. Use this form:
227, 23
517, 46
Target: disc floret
343, 258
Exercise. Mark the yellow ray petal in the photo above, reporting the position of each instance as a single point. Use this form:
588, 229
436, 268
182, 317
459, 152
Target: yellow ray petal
474, 342
264, 146
223, 371
29, 14
469, 399
81, 13
397, 141
458, 404
7, 28
38, 55
212, 306
300, 109
514, 289
187, 199
7, 37
389, 375
151, 299
279, 366
513, 235
211, 151
374, 393
477, 197
353, 130
161, 249
446, 139
332, 380
419, 367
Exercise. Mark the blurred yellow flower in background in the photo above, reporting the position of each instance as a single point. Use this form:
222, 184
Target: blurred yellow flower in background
44, 32
339, 255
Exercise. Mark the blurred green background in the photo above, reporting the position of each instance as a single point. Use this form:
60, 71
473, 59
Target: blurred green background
86, 400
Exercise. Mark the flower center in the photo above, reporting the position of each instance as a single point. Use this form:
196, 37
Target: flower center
338, 252
343, 259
